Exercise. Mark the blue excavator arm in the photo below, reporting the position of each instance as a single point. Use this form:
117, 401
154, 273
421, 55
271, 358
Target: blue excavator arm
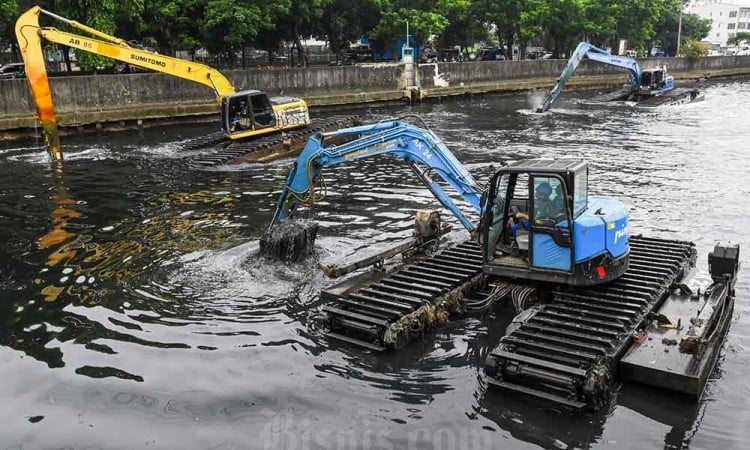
420, 148
586, 50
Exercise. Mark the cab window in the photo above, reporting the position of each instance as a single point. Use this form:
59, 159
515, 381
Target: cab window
581, 191
549, 199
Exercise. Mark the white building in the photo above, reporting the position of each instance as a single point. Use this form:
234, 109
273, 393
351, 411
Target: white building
727, 18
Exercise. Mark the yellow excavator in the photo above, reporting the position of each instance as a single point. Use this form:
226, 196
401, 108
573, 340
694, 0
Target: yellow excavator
244, 114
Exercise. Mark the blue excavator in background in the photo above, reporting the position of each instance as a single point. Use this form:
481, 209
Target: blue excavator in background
585, 293
584, 241
648, 87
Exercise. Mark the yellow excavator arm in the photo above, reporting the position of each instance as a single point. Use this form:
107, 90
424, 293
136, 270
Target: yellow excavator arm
29, 35
244, 114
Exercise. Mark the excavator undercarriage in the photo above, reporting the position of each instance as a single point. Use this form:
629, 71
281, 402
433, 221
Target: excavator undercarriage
262, 149
568, 345
677, 96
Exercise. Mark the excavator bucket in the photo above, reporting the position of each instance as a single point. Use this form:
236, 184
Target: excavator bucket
289, 241
27, 28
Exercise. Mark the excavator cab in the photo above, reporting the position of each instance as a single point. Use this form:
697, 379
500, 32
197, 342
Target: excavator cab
539, 223
246, 111
655, 80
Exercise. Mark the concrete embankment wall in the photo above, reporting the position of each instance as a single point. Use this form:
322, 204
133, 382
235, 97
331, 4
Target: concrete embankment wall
522, 75
85, 100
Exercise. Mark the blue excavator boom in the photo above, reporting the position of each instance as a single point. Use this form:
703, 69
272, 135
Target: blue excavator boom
420, 148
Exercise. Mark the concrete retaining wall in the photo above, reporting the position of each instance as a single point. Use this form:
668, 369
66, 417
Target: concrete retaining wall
321, 80
491, 71
81, 100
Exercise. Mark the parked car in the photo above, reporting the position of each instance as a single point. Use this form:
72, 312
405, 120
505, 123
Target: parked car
491, 54
451, 55
538, 54
356, 53
12, 70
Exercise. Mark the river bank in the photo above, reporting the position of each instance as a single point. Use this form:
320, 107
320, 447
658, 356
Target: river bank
132, 100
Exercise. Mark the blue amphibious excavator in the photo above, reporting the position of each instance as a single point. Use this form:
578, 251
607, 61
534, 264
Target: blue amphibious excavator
649, 87
585, 293
585, 242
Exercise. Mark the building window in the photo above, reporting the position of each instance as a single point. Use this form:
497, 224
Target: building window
731, 26
741, 25
732, 14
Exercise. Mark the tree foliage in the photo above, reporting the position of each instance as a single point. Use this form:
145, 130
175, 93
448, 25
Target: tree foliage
300, 21
346, 21
693, 50
100, 16
742, 36
228, 25
170, 24
8, 14
694, 28
425, 18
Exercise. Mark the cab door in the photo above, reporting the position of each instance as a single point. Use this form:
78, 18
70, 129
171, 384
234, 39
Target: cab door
494, 215
550, 225
262, 111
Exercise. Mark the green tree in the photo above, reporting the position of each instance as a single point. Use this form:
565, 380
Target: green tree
425, 17
565, 24
637, 20
464, 31
229, 26
513, 21
693, 28
534, 19
171, 24
504, 16
458, 29
346, 21
301, 20
742, 36
8, 15
693, 50
100, 16
600, 21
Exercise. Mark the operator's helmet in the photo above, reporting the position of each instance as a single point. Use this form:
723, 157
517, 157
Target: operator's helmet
543, 190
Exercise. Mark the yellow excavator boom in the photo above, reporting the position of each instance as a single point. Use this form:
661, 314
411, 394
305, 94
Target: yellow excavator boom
29, 35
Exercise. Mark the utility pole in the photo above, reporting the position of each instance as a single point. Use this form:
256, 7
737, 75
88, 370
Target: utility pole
679, 34
679, 28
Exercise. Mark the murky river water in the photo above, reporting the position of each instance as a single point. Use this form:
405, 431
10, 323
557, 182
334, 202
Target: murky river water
134, 314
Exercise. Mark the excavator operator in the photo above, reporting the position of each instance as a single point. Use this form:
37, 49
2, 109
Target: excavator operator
542, 204
545, 208
241, 117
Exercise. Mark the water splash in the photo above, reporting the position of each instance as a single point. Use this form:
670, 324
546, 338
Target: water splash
535, 99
